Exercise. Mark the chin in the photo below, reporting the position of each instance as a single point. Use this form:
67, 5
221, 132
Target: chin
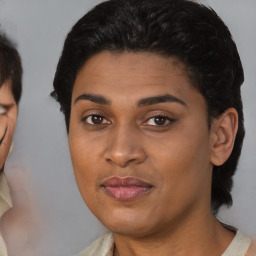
126, 222
129, 229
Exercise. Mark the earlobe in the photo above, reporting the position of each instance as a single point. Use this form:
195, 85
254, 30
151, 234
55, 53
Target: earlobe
223, 134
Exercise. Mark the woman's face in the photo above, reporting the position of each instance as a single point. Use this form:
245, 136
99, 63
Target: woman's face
140, 142
8, 116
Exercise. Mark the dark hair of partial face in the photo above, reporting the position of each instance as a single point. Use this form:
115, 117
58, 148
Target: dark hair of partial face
191, 32
10, 67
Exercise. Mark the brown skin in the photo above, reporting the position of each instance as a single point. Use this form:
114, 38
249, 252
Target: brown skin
175, 155
7, 120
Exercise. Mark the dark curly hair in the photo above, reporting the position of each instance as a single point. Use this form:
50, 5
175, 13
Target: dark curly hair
10, 66
192, 32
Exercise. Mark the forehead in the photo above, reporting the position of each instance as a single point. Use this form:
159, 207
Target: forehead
128, 71
134, 60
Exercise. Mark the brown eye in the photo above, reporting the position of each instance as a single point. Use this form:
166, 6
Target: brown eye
96, 120
159, 121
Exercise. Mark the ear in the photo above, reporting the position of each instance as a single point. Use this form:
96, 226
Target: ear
223, 134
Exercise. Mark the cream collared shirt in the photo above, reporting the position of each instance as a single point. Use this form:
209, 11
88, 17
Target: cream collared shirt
241, 245
5, 204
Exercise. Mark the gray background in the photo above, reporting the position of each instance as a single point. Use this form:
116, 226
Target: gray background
41, 154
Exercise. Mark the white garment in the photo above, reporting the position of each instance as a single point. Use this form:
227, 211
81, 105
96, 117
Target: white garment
104, 246
238, 246
5, 204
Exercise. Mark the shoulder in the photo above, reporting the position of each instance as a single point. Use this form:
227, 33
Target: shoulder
103, 246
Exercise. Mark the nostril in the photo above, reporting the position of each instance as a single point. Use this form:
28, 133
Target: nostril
128, 162
109, 160
121, 163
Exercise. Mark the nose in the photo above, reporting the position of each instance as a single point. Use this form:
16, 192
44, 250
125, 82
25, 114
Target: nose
125, 148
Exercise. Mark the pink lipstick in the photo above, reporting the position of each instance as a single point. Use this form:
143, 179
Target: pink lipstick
125, 188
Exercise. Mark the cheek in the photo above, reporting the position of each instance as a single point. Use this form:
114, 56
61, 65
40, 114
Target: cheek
85, 164
80, 156
85, 152
182, 160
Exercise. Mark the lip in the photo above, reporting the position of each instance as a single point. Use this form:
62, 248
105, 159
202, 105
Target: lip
125, 188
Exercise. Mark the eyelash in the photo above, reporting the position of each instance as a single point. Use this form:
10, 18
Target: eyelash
85, 120
103, 121
165, 119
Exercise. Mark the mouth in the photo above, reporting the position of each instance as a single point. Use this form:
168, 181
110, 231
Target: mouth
125, 188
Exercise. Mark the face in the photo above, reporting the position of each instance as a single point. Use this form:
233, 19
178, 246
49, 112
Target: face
8, 116
139, 142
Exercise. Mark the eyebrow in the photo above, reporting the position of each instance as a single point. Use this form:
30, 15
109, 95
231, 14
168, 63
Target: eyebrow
141, 103
94, 98
160, 99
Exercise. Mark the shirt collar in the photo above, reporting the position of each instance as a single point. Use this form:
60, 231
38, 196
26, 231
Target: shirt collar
103, 246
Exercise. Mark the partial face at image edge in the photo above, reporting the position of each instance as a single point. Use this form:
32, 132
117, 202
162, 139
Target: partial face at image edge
8, 116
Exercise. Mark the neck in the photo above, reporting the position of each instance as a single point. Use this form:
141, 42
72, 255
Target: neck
206, 237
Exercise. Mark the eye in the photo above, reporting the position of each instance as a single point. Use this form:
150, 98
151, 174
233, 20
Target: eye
159, 120
2, 110
96, 120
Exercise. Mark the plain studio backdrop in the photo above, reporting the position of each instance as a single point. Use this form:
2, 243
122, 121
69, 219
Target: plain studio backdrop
39, 167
